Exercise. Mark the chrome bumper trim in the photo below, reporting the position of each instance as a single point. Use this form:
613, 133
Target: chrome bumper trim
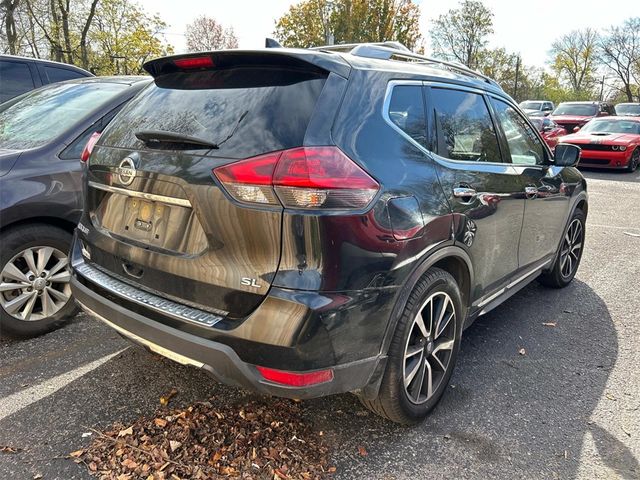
181, 202
161, 305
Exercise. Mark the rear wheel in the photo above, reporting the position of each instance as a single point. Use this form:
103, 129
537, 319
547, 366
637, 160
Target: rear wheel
634, 161
35, 294
568, 259
423, 350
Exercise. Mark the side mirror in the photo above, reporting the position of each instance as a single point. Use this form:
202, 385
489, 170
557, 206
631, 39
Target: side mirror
566, 155
576, 129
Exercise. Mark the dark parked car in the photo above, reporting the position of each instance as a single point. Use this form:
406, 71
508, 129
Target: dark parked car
310, 222
20, 75
572, 115
42, 135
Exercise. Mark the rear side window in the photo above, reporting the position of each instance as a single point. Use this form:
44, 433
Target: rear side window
16, 79
246, 111
463, 126
60, 74
406, 111
525, 147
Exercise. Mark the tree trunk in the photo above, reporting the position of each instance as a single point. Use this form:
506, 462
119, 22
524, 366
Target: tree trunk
10, 25
84, 52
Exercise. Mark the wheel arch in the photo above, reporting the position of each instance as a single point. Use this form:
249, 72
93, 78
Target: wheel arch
61, 223
451, 259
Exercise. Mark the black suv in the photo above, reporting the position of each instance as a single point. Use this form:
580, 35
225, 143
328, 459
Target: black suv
20, 75
309, 222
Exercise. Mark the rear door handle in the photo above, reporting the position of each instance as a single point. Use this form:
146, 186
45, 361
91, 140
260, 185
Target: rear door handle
464, 193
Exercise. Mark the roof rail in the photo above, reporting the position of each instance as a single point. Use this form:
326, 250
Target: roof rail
397, 51
348, 47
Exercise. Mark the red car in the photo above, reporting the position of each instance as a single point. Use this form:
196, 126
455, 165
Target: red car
570, 115
612, 142
549, 130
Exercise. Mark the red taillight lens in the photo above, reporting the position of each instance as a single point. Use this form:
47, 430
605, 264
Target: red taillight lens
305, 177
294, 379
88, 148
193, 62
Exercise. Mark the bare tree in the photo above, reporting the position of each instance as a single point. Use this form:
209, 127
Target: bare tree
205, 33
461, 33
575, 59
10, 30
620, 52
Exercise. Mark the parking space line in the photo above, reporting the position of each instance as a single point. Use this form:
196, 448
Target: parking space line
19, 400
611, 226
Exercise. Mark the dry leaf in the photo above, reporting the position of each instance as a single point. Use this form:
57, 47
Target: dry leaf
362, 451
549, 324
160, 422
164, 400
174, 445
76, 454
125, 432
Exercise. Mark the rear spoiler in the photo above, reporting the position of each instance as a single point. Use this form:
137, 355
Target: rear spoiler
284, 57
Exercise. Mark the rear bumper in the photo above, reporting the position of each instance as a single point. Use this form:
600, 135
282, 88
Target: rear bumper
226, 360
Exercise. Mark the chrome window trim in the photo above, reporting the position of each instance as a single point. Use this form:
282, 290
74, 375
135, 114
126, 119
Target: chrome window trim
181, 202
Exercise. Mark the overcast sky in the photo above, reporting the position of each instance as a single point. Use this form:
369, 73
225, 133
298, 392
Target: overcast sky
526, 27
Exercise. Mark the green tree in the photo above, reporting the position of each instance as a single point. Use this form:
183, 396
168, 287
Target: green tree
575, 61
315, 22
462, 33
124, 37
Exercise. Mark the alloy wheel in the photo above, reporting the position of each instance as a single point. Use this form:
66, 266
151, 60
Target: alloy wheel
34, 284
429, 347
571, 247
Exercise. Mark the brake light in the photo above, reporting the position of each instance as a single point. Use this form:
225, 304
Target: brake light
294, 379
88, 148
304, 177
193, 62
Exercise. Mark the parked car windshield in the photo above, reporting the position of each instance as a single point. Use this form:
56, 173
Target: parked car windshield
612, 126
44, 114
628, 109
531, 105
575, 109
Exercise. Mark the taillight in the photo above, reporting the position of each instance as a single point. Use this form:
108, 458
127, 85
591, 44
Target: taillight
305, 177
193, 62
88, 148
295, 379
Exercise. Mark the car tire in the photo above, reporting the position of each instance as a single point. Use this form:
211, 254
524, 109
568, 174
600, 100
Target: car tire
41, 277
634, 161
405, 395
569, 255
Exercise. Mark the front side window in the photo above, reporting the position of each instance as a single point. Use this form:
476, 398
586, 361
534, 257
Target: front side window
406, 111
463, 126
524, 146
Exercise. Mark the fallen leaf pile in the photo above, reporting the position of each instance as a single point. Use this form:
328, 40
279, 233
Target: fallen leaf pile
257, 440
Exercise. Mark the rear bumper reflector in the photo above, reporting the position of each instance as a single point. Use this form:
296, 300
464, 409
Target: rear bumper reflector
295, 379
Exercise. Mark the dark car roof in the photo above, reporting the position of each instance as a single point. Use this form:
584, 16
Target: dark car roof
585, 102
48, 62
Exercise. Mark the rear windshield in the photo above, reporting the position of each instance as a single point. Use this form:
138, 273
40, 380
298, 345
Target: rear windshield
575, 109
46, 113
628, 109
245, 110
531, 105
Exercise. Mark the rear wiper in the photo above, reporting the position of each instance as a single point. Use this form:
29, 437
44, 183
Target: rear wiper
154, 137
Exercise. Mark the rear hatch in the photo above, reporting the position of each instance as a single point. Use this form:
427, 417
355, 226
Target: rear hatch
161, 220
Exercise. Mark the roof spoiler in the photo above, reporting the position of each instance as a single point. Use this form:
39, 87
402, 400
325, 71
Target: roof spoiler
268, 57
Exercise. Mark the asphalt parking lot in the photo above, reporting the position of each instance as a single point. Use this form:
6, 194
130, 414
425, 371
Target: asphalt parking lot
568, 408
